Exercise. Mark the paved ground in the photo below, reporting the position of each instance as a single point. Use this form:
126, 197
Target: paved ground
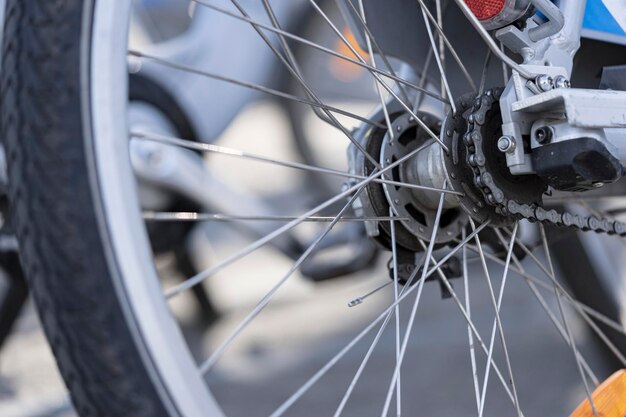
293, 339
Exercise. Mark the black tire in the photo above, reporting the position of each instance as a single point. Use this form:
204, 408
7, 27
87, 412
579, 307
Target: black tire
103, 362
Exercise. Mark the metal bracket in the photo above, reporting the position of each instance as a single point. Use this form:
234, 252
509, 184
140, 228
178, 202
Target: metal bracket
583, 108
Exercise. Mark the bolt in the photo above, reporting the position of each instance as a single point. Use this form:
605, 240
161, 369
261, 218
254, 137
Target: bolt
544, 82
544, 135
506, 144
561, 82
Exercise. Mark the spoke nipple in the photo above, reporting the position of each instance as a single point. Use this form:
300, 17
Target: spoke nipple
355, 302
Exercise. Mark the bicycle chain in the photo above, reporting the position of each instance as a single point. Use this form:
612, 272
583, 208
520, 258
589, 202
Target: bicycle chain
507, 206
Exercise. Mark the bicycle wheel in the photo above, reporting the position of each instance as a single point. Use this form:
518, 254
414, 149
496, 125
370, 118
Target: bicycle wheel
113, 327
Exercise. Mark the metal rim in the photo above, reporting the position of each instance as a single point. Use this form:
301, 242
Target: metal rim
129, 246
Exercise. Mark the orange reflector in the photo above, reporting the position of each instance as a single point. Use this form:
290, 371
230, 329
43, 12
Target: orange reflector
609, 398
344, 70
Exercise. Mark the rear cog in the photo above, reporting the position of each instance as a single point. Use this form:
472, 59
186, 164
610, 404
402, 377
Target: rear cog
478, 168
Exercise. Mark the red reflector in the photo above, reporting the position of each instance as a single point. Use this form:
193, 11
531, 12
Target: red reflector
485, 9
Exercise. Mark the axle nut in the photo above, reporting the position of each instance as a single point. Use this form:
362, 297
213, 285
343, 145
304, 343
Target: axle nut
506, 144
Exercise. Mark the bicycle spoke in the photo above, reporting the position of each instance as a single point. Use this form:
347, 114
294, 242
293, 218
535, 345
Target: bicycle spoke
251, 86
409, 326
330, 117
550, 288
469, 330
572, 343
308, 90
223, 150
212, 360
383, 103
533, 284
303, 41
394, 255
497, 322
377, 77
579, 309
387, 313
183, 216
372, 346
442, 51
427, 62
292, 60
201, 276
360, 15
439, 61
437, 24
361, 299
470, 323
491, 44
505, 68
483, 78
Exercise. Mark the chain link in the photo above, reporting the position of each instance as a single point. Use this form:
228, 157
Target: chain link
507, 205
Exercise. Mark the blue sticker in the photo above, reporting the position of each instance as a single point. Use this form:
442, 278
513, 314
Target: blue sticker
606, 16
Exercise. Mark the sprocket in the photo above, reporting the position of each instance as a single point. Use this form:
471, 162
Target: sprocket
505, 197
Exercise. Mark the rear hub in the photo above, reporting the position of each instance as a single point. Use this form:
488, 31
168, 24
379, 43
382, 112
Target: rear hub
415, 208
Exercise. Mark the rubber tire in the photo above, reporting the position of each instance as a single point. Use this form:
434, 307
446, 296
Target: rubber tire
101, 359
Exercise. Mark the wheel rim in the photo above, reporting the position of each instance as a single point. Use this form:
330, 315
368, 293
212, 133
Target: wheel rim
165, 346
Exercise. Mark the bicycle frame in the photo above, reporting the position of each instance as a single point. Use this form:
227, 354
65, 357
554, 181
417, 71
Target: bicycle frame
211, 112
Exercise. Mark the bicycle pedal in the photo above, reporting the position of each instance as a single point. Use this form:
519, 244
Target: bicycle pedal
609, 398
